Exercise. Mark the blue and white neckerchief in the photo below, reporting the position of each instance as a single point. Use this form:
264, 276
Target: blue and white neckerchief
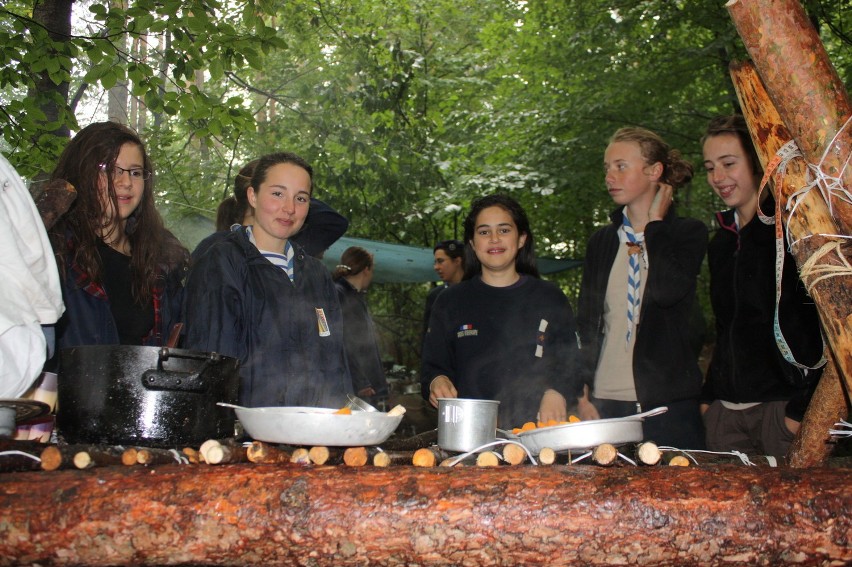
635, 248
283, 261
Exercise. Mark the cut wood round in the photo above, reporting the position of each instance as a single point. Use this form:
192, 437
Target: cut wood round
605, 454
225, 454
424, 457
649, 453
260, 452
319, 455
547, 456
677, 461
514, 454
192, 455
388, 458
355, 456
488, 459
128, 457
300, 456
149, 456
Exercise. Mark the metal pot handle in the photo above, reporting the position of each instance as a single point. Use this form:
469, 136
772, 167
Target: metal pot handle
162, 379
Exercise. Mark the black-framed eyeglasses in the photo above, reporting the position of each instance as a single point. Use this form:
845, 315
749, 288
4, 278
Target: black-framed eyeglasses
135, 173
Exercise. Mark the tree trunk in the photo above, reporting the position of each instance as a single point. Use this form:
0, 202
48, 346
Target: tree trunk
556, 515
812, 217
803, 86
54, 16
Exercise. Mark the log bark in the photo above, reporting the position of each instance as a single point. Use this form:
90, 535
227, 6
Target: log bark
831, 295
55, 199
802, 83
556, 515
813, 444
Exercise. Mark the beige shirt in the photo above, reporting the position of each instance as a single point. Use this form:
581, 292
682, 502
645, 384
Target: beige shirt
614, 375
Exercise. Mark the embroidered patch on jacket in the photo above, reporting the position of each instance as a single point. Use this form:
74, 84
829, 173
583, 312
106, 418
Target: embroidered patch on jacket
322, 323
467, 331
539, 338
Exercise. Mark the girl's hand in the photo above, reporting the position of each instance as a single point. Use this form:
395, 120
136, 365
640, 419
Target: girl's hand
553, 407
586, 410
441, 387
661, 203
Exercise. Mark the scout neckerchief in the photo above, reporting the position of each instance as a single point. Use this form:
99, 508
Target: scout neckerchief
635, 248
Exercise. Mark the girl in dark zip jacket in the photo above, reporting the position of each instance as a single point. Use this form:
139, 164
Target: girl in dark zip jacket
753, 399
257, 296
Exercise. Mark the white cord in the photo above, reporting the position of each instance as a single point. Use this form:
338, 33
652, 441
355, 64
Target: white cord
456, 460
19, 453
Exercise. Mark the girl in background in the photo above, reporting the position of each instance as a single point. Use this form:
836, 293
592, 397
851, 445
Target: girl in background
637, 294
121, 270
352, 277
753, 400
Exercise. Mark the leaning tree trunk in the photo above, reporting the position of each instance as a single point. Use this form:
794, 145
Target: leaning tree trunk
523, 515
812, 217
803, 85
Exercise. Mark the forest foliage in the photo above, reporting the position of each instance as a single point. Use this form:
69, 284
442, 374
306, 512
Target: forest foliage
408, 109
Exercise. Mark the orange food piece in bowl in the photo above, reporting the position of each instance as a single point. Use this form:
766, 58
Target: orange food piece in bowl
573, 419
343, 411
528, 426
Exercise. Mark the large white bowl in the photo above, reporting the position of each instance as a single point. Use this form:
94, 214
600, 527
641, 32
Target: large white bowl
316, 426
588, 434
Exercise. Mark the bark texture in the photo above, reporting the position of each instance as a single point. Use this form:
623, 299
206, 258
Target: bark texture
802, 83
557, 515
834, 303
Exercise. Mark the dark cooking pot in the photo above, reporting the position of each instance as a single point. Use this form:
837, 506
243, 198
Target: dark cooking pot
149, 396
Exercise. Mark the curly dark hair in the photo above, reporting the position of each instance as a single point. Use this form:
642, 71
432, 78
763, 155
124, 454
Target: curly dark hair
525, 260
76, 235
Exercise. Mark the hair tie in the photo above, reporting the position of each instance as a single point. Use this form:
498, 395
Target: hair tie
343, 267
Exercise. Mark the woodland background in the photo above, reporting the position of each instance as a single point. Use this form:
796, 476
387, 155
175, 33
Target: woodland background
408, 109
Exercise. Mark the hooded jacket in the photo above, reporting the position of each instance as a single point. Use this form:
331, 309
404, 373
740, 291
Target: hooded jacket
287, 335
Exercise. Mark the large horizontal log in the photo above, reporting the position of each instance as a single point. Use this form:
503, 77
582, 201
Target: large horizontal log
557, 515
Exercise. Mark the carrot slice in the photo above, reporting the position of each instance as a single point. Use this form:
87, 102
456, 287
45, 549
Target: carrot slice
343, 411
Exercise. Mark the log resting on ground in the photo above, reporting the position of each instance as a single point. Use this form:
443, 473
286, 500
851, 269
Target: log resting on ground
556, 515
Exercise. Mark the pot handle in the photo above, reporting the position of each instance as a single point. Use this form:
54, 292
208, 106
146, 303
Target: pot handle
162, 379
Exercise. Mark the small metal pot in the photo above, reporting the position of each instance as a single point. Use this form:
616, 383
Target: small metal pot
149, 396
465, 424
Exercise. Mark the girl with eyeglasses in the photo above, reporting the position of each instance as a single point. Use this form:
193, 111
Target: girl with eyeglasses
121, 269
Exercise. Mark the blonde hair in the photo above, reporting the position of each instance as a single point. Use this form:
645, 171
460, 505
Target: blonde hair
677, 172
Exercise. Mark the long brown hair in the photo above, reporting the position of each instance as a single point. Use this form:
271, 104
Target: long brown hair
77, 234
